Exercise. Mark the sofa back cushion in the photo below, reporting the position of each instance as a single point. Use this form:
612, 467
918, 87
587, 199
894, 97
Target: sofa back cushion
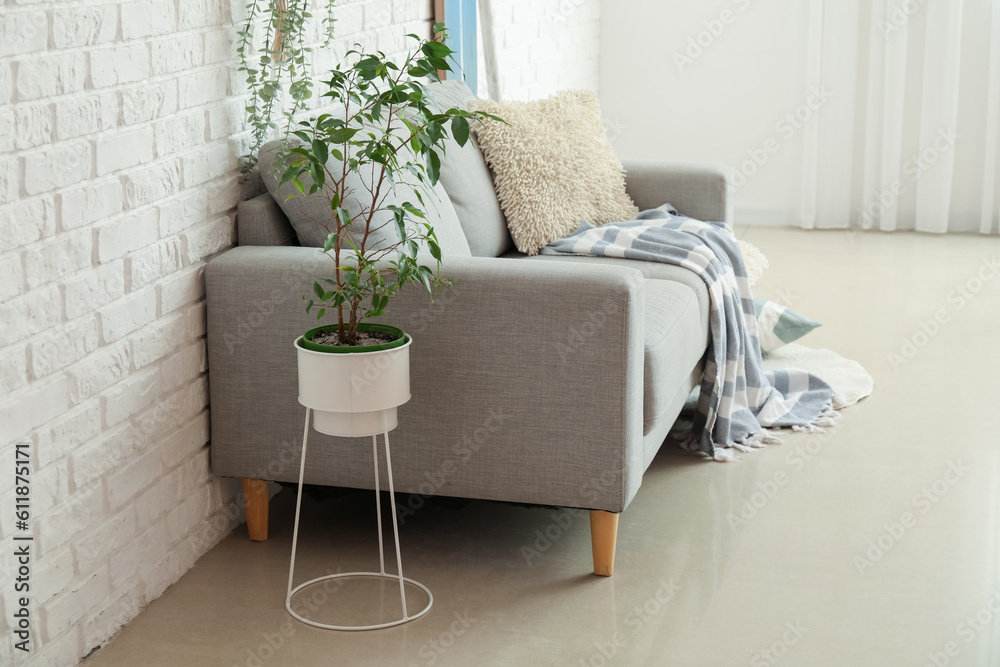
306, 212
260, 221
468, 182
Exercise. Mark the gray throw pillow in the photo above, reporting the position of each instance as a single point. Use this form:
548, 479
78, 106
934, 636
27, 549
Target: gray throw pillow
468, 181
310, 215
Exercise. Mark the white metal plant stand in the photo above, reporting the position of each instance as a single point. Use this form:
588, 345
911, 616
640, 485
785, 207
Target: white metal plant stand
381, 574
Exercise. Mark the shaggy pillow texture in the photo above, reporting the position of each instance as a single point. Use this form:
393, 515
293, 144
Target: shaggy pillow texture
754, 260
553, 167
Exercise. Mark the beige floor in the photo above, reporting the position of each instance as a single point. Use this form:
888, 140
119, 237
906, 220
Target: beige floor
692, 587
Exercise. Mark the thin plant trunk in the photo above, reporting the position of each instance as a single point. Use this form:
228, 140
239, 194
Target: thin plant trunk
352, 332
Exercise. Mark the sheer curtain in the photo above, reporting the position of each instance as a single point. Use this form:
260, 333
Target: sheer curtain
910, 138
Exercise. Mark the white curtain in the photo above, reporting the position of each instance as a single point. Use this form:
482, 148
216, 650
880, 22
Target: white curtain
909, 139
489, 73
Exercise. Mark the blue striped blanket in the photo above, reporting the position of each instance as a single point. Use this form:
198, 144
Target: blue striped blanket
738, 399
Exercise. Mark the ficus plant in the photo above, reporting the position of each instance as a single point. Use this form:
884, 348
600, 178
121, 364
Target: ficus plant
388, 132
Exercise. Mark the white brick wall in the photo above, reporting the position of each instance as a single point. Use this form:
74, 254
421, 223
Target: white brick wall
120, 123
119, 130
544, 46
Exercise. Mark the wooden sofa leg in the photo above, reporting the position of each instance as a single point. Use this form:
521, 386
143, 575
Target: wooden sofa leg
255, 494
603, 538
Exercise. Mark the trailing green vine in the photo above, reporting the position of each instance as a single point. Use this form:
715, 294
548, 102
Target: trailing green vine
283, 57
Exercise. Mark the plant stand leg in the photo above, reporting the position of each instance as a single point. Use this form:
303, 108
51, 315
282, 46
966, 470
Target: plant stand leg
378, 507
604, 539
298, 509
395, 526
256, 499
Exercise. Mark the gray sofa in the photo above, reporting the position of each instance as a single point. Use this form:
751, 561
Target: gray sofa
548, 380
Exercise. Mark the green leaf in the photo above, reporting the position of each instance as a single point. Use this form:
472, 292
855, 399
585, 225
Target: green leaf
424, 274
460, 130
413, 209
379, 303
439, 63
368, 67
322, 154
434, 131
318, 289
344, 216
400, 225
318, 176
436, 50
435, 249
433, 166
321, 313
343, 135
330, 242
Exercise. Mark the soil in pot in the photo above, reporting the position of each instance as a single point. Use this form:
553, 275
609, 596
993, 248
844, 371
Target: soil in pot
365, 338
373, 338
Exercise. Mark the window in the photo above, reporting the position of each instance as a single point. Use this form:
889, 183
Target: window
460, 19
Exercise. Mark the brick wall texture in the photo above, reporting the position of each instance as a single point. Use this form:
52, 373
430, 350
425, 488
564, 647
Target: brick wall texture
544, 46
120, 127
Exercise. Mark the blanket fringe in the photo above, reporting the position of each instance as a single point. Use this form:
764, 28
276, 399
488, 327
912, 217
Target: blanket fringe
758, 440
770, 437
829, 418
755, 441
685, 440
723, 454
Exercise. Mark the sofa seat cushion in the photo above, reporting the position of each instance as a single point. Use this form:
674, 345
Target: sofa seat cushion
675, 340
676, 329
655, 270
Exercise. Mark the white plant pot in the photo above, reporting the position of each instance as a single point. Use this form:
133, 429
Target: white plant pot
354, 394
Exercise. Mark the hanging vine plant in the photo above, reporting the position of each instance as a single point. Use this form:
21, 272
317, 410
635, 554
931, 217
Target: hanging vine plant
282, 59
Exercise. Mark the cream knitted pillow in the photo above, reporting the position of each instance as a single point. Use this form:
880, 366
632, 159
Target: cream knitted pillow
553, 167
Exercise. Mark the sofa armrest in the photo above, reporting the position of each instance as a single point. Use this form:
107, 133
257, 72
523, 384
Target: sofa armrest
699, 191
526, 379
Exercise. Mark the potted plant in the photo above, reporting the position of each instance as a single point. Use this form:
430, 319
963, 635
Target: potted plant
373, 164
